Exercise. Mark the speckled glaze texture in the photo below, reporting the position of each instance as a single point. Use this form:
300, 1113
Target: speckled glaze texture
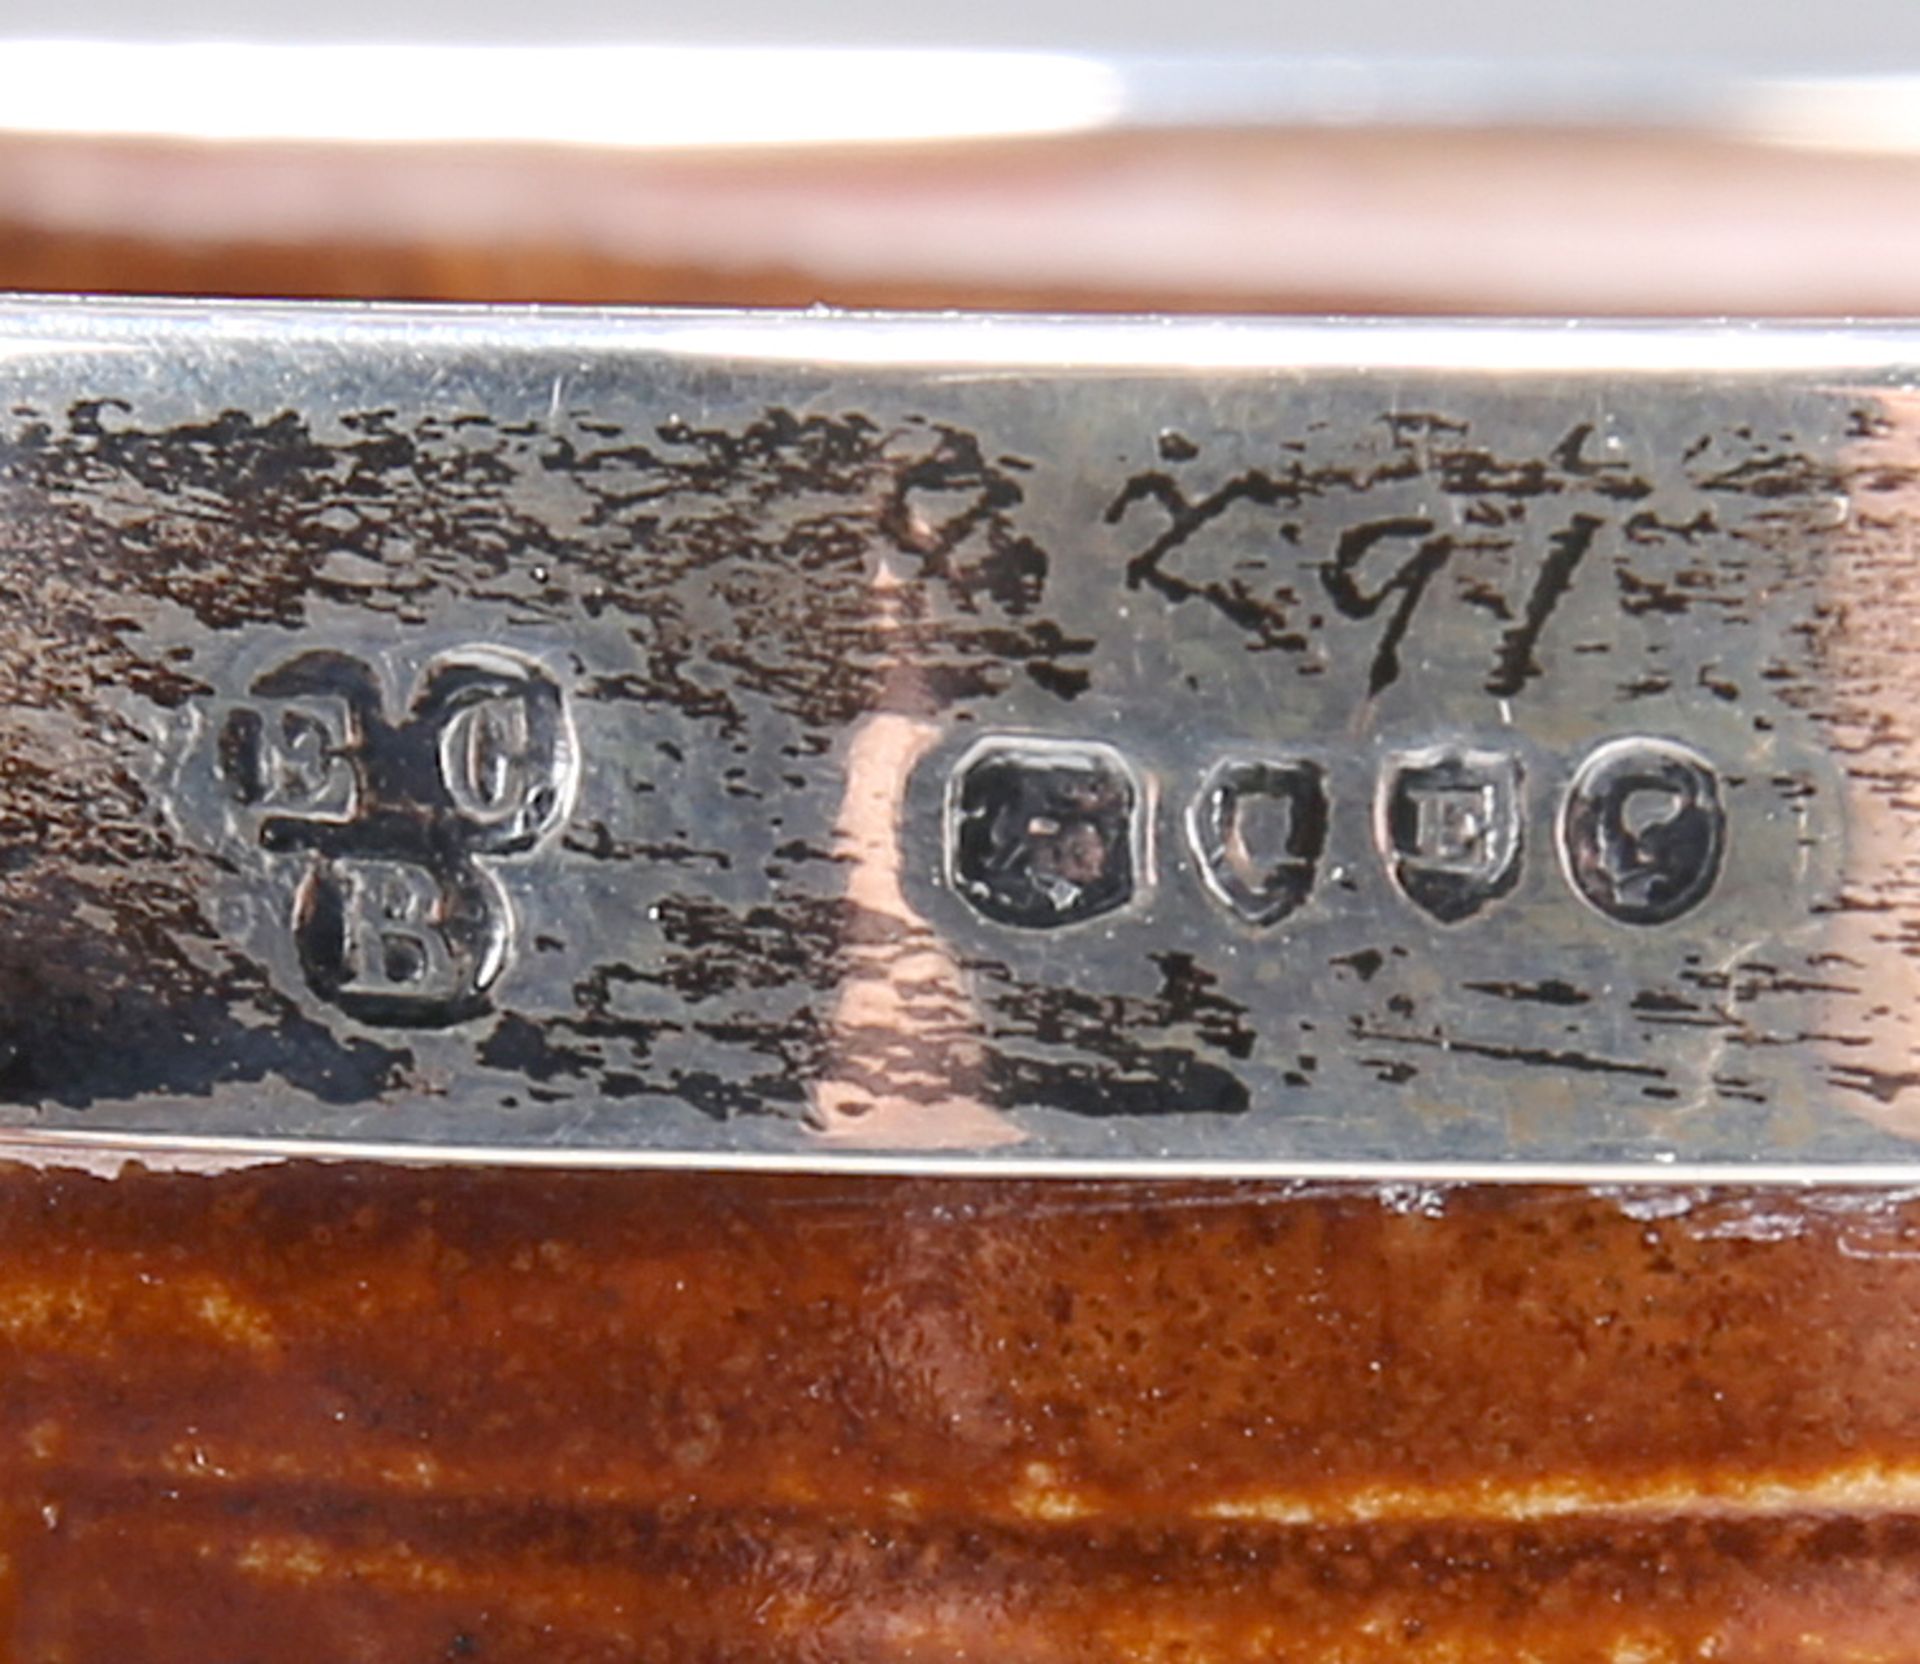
330, 1412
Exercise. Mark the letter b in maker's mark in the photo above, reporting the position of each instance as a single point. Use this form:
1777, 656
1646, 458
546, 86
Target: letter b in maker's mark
401, 942
397, 919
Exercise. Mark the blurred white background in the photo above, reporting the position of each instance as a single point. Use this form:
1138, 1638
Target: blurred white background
1695, 156
1778, 37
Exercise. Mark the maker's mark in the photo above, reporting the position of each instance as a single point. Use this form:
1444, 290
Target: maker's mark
397, 919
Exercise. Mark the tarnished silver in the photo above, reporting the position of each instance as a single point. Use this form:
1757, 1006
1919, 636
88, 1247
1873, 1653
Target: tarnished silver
1139, 746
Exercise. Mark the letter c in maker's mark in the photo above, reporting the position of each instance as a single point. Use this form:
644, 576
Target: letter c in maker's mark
505, 750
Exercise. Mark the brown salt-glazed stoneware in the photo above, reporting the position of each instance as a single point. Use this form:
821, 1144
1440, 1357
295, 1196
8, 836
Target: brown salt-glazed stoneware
336, 1412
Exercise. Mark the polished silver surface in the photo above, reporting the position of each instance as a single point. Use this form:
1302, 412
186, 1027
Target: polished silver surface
1042, 745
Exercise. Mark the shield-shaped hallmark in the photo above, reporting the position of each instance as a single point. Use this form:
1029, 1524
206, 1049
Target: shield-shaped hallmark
1451, 825
1257, 828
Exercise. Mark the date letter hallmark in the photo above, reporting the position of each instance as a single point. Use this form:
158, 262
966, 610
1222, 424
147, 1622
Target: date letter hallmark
397, 918
1451, 823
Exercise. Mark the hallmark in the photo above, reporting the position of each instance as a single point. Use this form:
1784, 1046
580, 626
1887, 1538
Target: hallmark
397, 919
1043, 833
1642, 833
1452, 824
1258, 828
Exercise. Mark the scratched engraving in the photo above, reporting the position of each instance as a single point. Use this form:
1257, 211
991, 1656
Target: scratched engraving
611, 737
1381, 568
